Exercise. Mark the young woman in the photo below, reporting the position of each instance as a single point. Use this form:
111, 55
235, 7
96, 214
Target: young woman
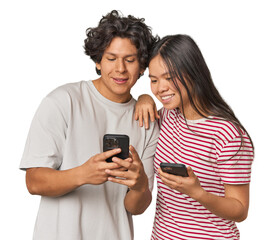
198, 129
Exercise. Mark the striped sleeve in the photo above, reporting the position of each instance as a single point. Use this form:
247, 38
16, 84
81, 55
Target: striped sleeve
161, 114
235, 161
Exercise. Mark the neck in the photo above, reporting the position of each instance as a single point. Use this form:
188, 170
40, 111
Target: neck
190, 113
118, 98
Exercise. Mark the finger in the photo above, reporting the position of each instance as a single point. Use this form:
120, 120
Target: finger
104, 155
152, 115
141, 119
156, 113
136, 115
129, 159
122, 169
161, 172
121, 162
168, 182
117, 173
168, 176
110, 165
134, 153
119, 180
146, 118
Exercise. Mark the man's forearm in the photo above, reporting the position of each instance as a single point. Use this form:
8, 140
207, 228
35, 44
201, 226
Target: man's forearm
137, 202
51, 182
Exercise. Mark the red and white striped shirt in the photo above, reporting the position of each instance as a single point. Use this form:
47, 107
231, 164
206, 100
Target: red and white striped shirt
210, 147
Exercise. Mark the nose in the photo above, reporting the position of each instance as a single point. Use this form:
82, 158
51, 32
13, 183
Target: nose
163, 86
120, 66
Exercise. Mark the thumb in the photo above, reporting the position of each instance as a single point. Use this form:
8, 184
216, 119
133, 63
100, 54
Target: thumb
190, 172
157, 116
134, 154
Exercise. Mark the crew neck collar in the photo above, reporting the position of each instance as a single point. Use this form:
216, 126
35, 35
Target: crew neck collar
101, 98
191, 121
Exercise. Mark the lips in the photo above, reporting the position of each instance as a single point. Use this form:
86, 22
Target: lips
120, 80
166, 98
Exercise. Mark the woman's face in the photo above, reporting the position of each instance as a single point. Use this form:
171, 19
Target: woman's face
162, 85
120, 70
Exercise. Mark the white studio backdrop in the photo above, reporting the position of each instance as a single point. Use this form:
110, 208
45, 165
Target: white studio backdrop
42, 48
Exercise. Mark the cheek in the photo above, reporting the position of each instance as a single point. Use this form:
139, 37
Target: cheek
173, 87
153, 88
134, 69
136, 74
105, 69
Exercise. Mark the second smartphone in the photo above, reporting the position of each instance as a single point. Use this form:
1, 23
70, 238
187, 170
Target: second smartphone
174, 168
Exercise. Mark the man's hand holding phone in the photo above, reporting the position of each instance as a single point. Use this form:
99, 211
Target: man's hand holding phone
130, 173
93, 170
138, 197
135, 177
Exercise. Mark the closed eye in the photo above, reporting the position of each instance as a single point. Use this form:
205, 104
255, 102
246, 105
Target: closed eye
130, 60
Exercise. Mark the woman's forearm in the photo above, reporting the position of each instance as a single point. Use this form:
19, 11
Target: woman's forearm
233, 206
225, 207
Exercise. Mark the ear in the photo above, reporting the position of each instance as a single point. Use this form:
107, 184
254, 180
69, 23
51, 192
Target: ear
142, 72
98, 66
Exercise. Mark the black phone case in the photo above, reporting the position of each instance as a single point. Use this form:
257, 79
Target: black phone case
111, 141
175, 169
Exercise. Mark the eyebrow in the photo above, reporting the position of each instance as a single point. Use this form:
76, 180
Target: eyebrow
164, 74
129, 55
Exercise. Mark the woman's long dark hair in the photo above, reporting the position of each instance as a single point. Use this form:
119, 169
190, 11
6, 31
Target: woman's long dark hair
186, 64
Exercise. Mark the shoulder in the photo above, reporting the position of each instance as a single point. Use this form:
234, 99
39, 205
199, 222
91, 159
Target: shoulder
224, 129
69, 94
166, 114
228, 134
62, 98
67, 90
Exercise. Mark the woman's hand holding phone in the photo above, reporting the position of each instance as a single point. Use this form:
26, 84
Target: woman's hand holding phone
187, 185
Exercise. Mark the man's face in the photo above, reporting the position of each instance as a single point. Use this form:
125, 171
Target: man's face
120, 70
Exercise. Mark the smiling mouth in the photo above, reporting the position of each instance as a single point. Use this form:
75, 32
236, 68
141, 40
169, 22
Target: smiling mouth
120, 80
166, 98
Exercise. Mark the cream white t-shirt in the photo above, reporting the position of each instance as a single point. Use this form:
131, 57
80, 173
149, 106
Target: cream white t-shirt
68, 129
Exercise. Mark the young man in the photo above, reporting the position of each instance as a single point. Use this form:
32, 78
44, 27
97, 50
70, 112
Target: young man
83, 196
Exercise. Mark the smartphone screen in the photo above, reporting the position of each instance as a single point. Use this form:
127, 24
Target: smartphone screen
175, 169
111, 141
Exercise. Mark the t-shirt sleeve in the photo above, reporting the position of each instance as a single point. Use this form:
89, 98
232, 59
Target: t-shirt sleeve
148, 153
47, 134
235, 161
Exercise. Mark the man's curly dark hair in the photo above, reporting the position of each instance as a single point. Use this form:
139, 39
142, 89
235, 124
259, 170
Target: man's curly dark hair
114, 25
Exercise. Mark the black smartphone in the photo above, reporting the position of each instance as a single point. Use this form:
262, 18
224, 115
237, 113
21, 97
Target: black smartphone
111, 141
175, 169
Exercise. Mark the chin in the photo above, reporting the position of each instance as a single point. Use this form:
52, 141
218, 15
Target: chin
169, 108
